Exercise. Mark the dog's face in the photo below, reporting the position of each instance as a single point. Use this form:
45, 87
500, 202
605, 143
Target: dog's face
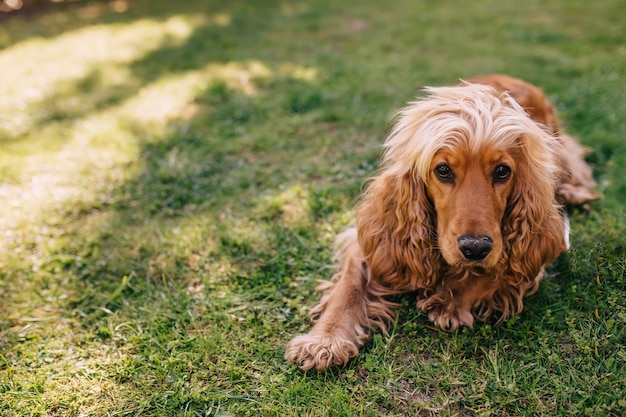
470, 192
487, 169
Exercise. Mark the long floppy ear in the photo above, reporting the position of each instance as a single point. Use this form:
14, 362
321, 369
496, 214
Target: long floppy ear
395, 224
533, 226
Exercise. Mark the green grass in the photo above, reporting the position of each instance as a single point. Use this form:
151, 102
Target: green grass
172, 177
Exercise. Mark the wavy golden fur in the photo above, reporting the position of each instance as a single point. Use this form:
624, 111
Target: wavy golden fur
466, 211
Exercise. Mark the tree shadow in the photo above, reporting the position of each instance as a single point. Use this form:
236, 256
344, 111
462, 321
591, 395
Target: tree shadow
224, 34
218, 212
58, 18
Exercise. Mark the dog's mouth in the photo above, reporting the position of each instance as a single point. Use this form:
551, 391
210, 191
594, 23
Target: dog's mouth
481, 265
461, 262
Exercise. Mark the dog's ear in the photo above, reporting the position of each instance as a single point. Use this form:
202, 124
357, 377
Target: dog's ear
396, 230
533, 226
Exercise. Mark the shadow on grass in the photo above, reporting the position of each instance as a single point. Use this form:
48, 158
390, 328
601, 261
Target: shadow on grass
221, 33
195, 252
60, 18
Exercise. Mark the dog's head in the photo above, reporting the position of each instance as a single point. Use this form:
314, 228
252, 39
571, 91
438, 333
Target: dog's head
468, 167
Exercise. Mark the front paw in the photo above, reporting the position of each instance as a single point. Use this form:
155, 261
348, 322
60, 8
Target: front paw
310, 351
448, 316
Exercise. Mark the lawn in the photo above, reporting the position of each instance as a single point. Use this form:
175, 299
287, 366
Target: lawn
173, 174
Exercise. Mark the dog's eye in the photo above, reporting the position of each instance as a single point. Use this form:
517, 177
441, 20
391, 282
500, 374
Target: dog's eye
444, 173
501, 173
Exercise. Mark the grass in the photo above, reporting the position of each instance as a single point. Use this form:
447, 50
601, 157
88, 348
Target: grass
172, 176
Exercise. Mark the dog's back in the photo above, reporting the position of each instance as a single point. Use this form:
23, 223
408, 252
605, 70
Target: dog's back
530, 97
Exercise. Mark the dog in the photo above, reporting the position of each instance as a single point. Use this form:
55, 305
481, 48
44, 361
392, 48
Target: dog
469, 206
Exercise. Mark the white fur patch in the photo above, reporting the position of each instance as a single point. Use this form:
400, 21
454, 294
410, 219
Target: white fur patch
566, 228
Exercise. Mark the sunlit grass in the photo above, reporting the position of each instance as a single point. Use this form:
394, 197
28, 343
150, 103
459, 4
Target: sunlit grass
173, 174
89, 128
34, 67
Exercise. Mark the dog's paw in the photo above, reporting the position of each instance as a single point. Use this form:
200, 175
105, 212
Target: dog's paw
447, 316
310, 351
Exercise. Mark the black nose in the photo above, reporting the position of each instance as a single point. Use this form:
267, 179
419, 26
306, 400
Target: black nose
475, 247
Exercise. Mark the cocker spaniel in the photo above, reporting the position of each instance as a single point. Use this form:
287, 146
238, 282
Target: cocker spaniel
467, 210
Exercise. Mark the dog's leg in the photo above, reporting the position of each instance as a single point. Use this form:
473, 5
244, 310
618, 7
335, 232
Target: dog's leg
576, 185
351, 305
460, 302
452, 304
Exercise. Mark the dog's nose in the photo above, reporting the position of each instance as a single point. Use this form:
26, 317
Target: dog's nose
475, 247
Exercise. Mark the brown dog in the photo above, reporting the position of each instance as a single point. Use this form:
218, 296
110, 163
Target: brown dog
466, 211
